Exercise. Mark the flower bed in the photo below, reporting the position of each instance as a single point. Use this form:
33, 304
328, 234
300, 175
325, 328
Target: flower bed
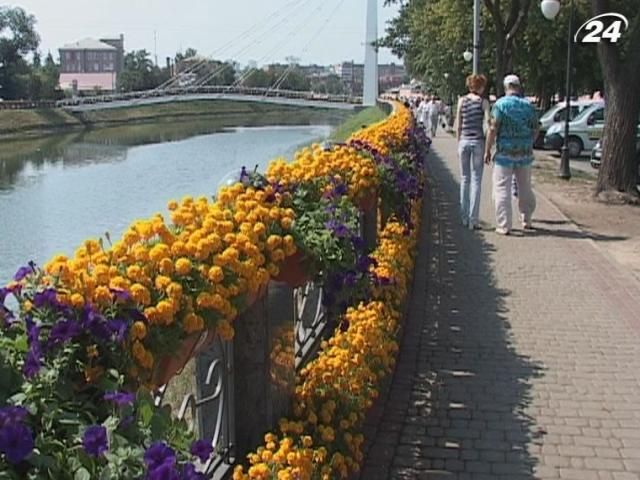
95, 333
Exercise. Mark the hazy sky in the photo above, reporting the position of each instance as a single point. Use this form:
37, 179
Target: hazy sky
304, 31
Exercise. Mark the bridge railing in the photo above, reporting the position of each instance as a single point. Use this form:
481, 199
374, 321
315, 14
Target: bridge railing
209, 90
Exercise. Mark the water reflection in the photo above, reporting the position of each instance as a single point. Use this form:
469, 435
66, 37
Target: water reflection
57, 191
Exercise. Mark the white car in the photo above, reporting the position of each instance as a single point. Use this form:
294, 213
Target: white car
581, 131
557, 113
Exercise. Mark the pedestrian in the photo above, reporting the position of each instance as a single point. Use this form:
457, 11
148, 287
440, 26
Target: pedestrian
514, 126
472, 120
421, 112
433, 114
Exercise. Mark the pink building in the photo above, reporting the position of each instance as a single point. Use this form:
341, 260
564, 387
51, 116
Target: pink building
91, 65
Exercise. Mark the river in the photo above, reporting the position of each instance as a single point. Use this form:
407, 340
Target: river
57, 191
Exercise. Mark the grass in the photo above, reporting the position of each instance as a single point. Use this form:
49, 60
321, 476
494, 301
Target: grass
24, 123
12, 121
356, 122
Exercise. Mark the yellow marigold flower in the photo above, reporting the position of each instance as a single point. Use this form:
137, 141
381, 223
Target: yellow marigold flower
138, 331
158, 252
102, 295
193, 323
77, 300
183, 266
286, 223
165, 266
174, 291
225, 330
172, 205
140, 294
162, 282
216, 274
92, 351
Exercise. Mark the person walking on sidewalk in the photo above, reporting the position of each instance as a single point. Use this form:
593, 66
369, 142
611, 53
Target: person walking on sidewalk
513, 129
472, 117
433, 114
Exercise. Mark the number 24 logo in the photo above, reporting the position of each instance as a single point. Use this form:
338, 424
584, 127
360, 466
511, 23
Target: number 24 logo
596, 31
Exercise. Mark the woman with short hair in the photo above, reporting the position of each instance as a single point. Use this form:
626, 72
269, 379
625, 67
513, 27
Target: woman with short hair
472, 119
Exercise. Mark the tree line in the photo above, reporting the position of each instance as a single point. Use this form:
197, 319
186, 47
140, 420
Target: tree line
24, 76
431, 36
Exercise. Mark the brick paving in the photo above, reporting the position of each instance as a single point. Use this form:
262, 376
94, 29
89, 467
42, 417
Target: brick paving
520, 357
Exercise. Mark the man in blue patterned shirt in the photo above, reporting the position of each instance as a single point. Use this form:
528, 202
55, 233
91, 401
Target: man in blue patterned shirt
514, 126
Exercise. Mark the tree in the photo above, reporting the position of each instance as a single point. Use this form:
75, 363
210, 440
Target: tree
17, 39
139, 72
620, 64
507, 23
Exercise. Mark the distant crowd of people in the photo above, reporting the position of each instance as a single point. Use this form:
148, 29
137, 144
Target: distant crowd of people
511, 126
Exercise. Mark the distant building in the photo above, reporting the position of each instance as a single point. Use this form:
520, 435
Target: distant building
352, 75
89, 65
314, 71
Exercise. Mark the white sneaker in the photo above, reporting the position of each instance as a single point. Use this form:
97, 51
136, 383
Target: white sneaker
503, 231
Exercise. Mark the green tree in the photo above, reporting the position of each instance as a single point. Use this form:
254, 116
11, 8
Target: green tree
620, 64
139, 72
18, 38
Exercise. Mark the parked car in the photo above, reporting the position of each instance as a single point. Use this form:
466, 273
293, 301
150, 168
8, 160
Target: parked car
558, 113
596, 154
581, 131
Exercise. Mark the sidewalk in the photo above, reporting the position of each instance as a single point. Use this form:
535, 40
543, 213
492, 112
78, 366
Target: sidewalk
520, 357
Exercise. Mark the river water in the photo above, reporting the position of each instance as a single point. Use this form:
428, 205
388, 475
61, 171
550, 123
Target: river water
57, 191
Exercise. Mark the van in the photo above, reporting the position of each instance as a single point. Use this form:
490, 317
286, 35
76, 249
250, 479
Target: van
581, 131
557, 113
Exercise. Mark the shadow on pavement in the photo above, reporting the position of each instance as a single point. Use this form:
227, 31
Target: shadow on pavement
456, 406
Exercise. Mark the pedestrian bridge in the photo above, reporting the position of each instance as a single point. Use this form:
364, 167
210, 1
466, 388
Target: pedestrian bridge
237, 93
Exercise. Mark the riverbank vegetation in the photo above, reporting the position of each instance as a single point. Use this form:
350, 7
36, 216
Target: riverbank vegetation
18, 124
355, 122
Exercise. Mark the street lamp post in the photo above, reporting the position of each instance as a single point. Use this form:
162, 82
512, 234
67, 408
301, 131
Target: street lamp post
550, 9
476, 37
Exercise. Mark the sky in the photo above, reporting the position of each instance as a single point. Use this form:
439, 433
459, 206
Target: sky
314, 31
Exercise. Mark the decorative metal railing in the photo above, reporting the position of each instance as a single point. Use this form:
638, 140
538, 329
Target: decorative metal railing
204, 394
310, 322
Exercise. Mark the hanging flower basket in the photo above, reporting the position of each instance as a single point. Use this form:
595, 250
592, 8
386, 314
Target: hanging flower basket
253, 297
292, 271
369, 202
171, 365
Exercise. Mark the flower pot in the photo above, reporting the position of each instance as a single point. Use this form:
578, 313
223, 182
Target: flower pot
169, 366
292, 271
253, 297
369, 202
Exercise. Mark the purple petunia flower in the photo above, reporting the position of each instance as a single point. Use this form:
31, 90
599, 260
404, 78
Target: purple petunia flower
4, 291
46, 298
12, 415
93, 321
16, 442
127, 421
350, 279
22, 273
201, 449
94, 440
338, 228
340, 190
63, 331
118, 329
159, 453
165, 471
121, 295
357, 242
32, 362
120, 398
189, 472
